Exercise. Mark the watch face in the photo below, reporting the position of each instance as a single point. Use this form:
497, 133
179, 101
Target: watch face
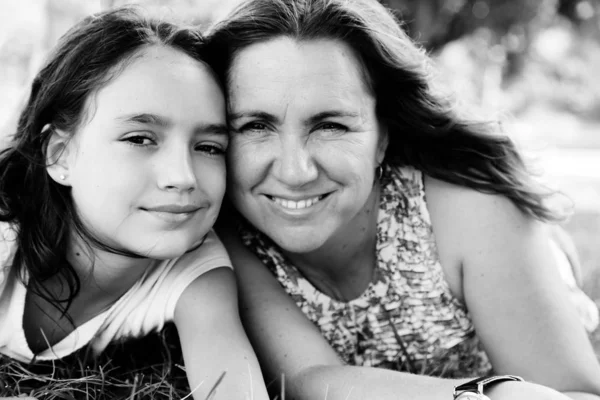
471, 396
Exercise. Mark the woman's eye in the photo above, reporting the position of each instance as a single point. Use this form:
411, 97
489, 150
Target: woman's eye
139, 140
253, 126
332, 127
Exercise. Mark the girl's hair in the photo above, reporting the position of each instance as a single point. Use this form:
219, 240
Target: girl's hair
41, 211
423, 127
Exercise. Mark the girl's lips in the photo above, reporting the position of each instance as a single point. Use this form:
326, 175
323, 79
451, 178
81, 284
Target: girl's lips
173, 213
174, 208
172, 217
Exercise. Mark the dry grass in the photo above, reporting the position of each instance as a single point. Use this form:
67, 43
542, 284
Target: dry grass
148, 368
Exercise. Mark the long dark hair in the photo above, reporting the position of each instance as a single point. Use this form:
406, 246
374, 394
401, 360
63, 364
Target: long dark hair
41, 211
425, 130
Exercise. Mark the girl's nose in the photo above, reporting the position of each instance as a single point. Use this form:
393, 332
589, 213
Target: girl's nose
175, 170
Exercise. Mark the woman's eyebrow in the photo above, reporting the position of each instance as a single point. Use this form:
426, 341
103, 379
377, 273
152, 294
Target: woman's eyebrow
253, 114
329, 114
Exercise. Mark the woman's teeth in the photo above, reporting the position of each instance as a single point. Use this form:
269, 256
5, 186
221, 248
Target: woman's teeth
296, 205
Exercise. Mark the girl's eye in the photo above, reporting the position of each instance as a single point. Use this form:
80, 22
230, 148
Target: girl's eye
139, 140
210, 149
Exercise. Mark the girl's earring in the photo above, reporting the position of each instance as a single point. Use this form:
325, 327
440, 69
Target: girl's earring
379, 172
62, 177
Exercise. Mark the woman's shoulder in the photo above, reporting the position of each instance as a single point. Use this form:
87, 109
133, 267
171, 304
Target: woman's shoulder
402, 189
404, 177
466, 207
465, 220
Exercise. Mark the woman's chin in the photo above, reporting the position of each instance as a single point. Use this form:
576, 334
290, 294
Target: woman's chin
298, 242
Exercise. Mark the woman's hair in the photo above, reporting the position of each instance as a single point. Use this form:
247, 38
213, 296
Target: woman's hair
424, 129
40, 210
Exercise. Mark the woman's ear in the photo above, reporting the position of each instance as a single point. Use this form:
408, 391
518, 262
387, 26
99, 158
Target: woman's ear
383, 144
57, 156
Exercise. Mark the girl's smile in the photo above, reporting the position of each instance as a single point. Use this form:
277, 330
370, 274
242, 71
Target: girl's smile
174, 213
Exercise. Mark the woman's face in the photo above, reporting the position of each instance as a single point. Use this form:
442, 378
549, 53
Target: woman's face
304, 142
147, 167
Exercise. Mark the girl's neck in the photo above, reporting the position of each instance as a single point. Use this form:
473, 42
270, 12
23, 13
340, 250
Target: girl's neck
104, 277
344, 266
103, 271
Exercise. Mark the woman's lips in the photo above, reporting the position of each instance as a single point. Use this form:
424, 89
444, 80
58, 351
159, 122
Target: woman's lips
297, 203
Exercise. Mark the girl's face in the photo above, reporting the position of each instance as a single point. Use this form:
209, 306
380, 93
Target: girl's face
305, 140
147, 167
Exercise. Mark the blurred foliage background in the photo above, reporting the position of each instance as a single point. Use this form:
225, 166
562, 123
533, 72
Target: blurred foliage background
535, 63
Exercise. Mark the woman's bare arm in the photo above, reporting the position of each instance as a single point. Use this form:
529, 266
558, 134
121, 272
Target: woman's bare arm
289, 345
500, 262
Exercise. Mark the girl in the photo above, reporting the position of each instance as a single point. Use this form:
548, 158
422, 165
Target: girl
108, 193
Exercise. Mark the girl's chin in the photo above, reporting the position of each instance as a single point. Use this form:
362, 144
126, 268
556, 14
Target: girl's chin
164, 251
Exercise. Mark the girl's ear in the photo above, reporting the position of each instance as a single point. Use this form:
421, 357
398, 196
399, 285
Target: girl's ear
57, 156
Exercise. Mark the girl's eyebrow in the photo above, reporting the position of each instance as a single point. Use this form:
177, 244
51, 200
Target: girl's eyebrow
146, 118
157, 120
215, 129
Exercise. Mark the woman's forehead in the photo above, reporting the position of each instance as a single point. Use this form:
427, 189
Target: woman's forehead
285, 67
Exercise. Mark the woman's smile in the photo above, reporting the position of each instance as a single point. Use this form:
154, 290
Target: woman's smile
296, 205
299, 205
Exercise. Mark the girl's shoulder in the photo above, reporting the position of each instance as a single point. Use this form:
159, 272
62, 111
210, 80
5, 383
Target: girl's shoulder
210, 254
181, 271
8, 243
8, 247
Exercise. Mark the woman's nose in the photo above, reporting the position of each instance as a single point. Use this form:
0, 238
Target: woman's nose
295, 165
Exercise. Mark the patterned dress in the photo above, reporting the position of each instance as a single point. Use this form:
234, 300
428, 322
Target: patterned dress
407, 319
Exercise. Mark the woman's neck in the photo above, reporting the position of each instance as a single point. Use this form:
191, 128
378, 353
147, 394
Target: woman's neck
343, 267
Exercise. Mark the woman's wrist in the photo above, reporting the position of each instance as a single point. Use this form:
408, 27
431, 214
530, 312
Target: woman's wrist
512, 390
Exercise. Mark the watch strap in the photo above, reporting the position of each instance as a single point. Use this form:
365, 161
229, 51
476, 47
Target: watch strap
477, 385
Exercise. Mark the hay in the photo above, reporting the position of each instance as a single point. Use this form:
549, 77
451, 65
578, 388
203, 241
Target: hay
147, 368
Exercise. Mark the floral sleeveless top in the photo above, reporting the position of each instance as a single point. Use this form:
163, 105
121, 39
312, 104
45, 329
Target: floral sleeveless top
407, 319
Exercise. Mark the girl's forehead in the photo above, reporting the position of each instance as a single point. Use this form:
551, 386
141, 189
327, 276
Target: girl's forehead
159, 82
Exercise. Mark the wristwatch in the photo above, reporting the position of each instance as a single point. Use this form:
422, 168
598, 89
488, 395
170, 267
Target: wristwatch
473, 390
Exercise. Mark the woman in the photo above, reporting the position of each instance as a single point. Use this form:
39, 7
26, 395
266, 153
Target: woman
404, 236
